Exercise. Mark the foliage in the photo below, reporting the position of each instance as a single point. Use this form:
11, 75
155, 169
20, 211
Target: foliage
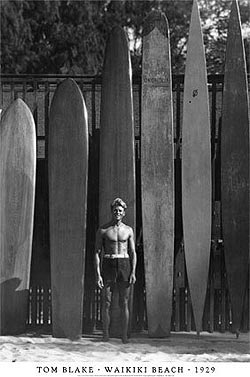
69, 36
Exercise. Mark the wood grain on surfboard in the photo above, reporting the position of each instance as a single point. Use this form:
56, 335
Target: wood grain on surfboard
117, 151
235, 166
17, 196
157, 173
196, 169
68, 168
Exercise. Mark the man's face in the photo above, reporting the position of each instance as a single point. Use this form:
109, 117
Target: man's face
118, 213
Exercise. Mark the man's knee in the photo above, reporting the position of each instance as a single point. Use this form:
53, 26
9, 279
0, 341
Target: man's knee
123, 297
123, 302
106, 305
106, 298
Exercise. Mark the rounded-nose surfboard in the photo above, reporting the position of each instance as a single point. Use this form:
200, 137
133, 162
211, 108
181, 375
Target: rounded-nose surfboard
68, 168
117, 151
235, 167
157, 173
17, 196
196, 169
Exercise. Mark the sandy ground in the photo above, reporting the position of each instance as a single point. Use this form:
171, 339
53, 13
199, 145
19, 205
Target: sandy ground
180, 346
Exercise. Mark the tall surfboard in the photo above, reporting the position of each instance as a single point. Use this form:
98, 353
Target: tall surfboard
117, 152
196, 169
17, 196
157, 173
68, 168
235, 167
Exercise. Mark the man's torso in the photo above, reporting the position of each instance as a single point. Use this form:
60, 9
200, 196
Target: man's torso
115, 240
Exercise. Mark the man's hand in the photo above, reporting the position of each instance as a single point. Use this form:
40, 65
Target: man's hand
99, 282
132, 279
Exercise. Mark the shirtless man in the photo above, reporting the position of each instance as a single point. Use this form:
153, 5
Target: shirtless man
115, 241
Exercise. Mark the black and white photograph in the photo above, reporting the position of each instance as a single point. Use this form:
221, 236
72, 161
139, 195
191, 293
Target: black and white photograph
124, 188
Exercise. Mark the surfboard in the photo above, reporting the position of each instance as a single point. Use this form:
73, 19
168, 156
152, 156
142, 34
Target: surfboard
157, 173
68, 169
196, 169
117, 151
17, 196
235, 167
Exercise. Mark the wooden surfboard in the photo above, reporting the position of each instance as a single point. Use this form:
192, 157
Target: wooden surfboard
117, 152
68, 168
196, 169
157, 173
235, 167
17, 195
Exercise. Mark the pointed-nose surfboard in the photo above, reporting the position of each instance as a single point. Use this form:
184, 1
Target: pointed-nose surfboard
235, 167
17, 195
157, 173
68, 168
117, 151
196, 169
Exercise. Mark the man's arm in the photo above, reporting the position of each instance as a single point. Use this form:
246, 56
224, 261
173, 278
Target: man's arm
98, 249
132, 252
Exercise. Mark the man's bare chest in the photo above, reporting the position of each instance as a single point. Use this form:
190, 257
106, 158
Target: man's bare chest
116, 234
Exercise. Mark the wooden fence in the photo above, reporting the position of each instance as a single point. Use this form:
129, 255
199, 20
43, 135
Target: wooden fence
37, 91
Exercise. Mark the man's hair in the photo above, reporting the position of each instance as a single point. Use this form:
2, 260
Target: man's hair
118, 202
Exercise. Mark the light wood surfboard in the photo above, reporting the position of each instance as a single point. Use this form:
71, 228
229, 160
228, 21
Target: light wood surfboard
117, 152
196, 169
235, 167
157, 174
68, 168
17, 196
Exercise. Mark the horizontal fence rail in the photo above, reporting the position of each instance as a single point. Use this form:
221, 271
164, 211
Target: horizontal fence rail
37, 91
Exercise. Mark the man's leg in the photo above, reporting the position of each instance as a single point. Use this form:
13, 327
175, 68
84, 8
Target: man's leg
124, 289
106, 303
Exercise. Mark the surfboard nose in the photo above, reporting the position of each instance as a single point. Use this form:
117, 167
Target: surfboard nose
18, 104
117, 41
18, 114
68, 85
117, 32
156, 19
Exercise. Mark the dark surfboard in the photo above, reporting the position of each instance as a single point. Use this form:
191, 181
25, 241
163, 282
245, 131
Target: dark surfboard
117, 153
17, 195
196, 169
68, 167
235, 167
157, 174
